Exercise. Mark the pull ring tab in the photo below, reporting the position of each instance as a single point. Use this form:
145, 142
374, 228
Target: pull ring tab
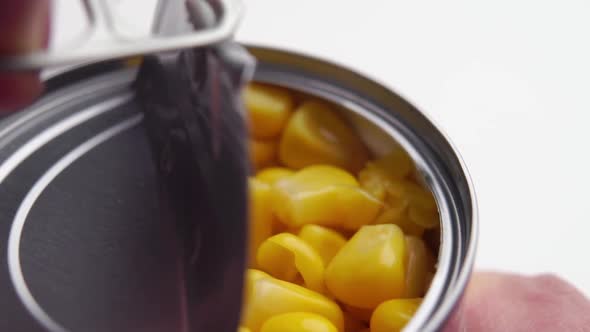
103, 22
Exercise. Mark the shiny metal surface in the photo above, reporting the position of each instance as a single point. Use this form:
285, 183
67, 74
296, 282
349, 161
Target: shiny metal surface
379, 115
94, 47
195, 123
389, 115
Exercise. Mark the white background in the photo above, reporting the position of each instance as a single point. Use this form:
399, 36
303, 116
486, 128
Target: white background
508, 80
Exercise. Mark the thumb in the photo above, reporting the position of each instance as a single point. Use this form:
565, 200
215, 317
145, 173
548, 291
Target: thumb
24, 27
507, 302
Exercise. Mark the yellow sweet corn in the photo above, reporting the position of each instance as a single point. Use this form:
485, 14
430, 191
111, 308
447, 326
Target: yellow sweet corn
262, 153
316, 134
423, 217
419, 196
325, 241
422, 208
418, 267
273, 174
269, 109
409, 206
322, 234
377, 175
370, 268
406, 203
393, 315
298, 322
398, 215
324, 195
261, 217
266, 297
284, 255
269, 176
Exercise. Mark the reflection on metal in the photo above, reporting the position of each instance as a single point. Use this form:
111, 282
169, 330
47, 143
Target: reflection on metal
59, 128
14, 239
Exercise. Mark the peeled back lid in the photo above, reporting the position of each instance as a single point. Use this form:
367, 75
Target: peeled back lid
197, 132
196, 126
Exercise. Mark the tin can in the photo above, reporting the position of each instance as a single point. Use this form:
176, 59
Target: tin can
76, 178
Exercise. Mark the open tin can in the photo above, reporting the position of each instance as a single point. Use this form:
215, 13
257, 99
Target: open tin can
80, 216
77, 184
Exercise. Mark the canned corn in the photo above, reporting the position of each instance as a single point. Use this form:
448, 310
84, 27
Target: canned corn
383, 118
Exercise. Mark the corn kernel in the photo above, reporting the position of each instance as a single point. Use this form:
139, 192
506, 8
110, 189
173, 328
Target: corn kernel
422, 207
283, 255
262, 153
324, 195
418, 267
404, 200
261, 217
324, 235
423, 218
407, 205
298, 322
325, 241
266, 297
272, 175
370, 268
399, 216
376, 176
269, 109
393, 315
419, 196
315, 135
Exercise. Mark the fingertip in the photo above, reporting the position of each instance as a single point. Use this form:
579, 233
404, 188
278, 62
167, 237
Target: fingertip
24, 27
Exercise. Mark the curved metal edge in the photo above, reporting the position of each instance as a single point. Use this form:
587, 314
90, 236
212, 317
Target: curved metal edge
453, 299
99, 79
18, 224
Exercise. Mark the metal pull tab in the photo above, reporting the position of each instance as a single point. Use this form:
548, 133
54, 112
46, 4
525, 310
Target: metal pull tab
103, 23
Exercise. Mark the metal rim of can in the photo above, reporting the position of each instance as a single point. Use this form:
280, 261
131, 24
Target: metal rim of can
436, 158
